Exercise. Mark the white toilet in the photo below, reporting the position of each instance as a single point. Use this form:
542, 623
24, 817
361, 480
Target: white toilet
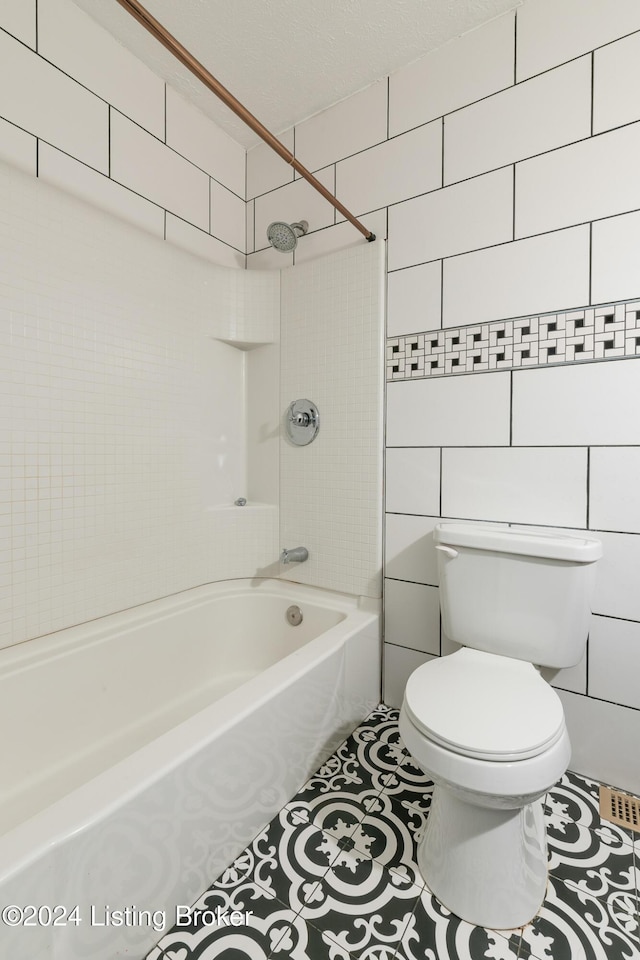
484, 724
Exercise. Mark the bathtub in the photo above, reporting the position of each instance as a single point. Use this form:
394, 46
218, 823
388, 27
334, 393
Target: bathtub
141, 753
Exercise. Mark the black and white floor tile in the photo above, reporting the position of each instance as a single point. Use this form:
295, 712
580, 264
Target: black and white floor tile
334, 875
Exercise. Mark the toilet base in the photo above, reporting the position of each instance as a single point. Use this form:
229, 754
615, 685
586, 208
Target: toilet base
488, 866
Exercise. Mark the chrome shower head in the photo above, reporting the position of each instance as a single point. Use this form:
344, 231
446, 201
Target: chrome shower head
284, 236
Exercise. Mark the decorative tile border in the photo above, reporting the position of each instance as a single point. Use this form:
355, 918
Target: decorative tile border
592, 333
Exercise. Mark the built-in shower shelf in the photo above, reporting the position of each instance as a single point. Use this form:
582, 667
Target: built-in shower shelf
245, 344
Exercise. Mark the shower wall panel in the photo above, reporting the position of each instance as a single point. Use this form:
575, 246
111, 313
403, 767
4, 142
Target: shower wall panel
124, 420
331, 353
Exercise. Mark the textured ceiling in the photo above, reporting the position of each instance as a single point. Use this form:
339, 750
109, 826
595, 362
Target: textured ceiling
286, 60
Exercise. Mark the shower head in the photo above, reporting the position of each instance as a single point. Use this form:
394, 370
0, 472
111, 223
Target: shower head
284, 236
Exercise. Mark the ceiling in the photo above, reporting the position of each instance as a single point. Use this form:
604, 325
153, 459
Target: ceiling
286, 60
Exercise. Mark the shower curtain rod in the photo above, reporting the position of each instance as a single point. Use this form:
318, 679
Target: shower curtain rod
189, 61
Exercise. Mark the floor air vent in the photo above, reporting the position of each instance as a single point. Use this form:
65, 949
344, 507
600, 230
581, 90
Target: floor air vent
620, 808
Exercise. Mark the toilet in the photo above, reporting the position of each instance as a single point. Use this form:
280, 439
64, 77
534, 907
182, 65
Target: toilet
484, 724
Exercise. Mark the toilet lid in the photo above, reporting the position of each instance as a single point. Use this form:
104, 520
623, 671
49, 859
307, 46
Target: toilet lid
484, 706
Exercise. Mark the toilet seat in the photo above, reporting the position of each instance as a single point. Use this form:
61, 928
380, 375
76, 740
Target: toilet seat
484, 706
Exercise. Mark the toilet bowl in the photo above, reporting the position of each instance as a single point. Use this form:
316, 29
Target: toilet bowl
484, 849
483, 723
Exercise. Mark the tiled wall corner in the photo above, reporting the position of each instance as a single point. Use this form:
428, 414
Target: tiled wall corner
353, 125
77, 108
194, 136
266, 170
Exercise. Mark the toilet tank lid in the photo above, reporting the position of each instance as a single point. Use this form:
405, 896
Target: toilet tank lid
555, 546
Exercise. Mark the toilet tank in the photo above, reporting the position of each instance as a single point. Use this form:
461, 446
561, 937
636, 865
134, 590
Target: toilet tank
516, 593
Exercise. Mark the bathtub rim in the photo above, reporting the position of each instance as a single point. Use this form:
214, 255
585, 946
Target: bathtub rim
87, 804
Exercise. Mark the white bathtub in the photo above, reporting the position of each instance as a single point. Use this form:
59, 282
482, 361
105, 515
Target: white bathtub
141, 752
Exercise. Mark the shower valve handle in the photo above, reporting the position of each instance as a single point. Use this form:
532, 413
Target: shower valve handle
301, 418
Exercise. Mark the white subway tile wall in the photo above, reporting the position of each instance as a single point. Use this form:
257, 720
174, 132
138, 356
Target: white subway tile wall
18, 148
67, 87
266, 170
117, 476
412, 616
529, 118
614, 660
413, 480
614, 257
614, 488
414, 298
193, 135
77, 178
554, 31
85, 51
142, 163
530, 485
44, 101
466, 216
595, 178
405, 166
183, 234
512, 257
474, 66
617, 593
616, 77
409, 551
19, 19
507, 280
399, 664
589, 404
350, 126
450, 411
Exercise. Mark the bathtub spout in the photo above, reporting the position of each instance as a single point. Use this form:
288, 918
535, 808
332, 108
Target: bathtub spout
295, 555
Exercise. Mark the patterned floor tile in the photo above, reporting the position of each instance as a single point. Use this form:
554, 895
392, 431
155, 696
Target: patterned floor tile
303, 941
598, 863
334, 876
433, 933
574, 923
361, 906
264, 920
576, 799
396, 817
286, 860
343, 787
